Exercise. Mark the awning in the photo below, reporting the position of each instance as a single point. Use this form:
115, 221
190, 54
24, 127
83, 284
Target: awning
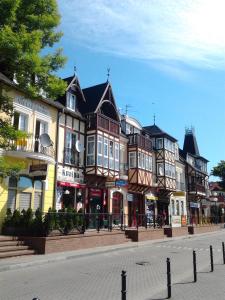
70, 184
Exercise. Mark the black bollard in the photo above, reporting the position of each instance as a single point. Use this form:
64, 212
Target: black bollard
211, 259
168, 278
223, 252
194, 266
124, 286
35, 299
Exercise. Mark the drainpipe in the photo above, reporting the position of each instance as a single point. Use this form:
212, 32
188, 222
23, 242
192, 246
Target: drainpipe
56, 158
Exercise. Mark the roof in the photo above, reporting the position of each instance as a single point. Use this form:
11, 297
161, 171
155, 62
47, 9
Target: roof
190, 144
73, 80
154, 130
93, 96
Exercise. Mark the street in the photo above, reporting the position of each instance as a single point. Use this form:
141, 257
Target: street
99, 276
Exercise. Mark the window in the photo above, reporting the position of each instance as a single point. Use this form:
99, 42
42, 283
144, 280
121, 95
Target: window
12, 191
160, 169
90, 150
71, 101
20, 121
169, 145
150, 163
139, 160
70, 154
25, 183
106, 152
173, 207
147, 162
132, 160
117, 156
159, 143
111, 155
182, 207
177, 207
100, 151
37, 195
170, 170
142, 160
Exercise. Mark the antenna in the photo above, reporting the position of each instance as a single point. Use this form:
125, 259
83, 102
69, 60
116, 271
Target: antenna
127, 106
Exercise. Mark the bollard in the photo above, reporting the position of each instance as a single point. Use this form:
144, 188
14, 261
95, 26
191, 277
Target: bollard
211, 259
35, 299
223, 252
194, 266
168, 278
123, 281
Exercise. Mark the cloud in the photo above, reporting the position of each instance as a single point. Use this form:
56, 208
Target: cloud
181, 32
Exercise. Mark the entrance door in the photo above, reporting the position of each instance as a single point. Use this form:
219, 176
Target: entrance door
94, 209
117, 208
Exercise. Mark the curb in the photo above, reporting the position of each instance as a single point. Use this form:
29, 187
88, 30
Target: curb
56, 257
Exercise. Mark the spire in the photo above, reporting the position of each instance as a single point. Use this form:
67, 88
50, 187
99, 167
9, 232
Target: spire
108, 74
75, 70
154, 119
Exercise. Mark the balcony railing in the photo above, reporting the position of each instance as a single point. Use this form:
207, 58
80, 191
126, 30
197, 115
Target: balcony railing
99, 121
31, 145
180, 186
197, 188
140, 141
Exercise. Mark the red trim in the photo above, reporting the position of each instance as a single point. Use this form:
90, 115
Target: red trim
74, 185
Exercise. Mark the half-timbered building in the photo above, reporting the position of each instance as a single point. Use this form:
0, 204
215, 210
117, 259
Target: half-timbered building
196, 176
165, 148
140, 167
70, 147
102, 147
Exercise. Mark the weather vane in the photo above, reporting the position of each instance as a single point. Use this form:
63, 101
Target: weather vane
108, 73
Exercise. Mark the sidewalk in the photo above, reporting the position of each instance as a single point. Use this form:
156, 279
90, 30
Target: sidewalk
35, 260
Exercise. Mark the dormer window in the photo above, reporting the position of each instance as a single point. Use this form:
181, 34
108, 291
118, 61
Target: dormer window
71, 101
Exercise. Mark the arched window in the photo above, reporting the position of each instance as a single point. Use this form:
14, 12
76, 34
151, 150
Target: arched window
25, 182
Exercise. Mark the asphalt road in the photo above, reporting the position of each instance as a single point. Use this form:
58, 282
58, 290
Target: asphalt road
98, 277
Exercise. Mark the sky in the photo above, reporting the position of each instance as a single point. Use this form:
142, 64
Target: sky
166, 57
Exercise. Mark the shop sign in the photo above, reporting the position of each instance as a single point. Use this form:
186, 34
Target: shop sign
183, 220
69, 184
68, 175
130, 197
179, 194
95, 193
121, 182
41, 167
194, 205
150, 197
176, 221
34, 105
110, 184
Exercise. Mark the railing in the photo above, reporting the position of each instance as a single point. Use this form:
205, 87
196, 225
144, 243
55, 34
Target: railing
71, 156
180, 186
30, 144
102, 122
196, 187
139, 140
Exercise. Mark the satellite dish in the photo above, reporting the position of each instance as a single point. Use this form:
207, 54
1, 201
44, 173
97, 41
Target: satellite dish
45, 140
79, 146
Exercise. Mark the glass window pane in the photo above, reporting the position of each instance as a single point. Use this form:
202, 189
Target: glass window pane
12, 182
38, 185
25, 182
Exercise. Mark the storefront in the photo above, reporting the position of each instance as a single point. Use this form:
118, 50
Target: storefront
151, 207
70, 188
178, 211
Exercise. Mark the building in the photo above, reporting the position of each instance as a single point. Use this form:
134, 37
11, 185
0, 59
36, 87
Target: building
102, 151
165, 151
141, 188
70, 148
34, 187
196, 177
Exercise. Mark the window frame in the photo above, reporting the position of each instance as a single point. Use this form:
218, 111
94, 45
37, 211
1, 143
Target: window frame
91, 154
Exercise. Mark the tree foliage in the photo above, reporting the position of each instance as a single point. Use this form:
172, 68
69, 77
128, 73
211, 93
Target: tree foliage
219, 171
26, 28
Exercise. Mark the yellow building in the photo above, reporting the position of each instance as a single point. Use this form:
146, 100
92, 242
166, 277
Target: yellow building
35, 185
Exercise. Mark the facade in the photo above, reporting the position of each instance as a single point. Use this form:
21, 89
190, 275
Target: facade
141, 191
102, 151
196, 178
165, 152
70, 148
34, 187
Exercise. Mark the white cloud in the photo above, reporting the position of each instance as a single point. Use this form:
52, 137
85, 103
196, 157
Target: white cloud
171, 32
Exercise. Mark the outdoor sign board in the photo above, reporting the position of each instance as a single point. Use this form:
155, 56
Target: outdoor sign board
194, 205
176, 221
121, 182
130, 197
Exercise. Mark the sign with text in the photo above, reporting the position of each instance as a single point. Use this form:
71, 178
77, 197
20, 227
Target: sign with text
176, 221
121, 182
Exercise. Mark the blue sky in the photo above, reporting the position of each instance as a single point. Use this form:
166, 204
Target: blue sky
166, 57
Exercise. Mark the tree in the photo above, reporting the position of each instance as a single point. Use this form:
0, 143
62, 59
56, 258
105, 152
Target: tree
219, 171
26, 28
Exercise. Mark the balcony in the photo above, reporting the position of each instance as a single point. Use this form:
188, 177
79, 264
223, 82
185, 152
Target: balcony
180, 186
139, 141
197, 188
30, 147
99, 121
